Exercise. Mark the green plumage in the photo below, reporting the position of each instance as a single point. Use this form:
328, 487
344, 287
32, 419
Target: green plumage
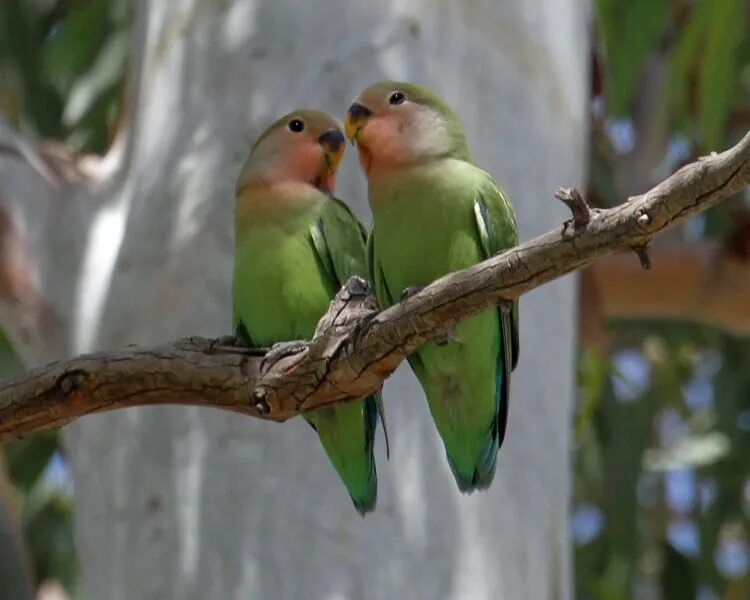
295, 247
430, 219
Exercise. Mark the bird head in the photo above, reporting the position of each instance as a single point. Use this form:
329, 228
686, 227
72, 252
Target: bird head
397, 124
304, 146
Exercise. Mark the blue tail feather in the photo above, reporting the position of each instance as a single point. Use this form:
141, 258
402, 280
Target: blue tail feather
367, 503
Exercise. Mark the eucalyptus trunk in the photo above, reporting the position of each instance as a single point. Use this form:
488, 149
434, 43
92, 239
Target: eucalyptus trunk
190, 503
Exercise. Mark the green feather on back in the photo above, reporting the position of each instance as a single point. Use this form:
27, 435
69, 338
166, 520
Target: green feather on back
333, 236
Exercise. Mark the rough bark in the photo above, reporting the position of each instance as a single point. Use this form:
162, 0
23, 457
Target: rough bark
190, 503
355, 348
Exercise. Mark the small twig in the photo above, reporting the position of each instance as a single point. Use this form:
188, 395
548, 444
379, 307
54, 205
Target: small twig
574, 200
642, 254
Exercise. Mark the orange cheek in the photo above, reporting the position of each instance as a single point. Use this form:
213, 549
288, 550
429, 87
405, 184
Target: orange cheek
306, 156
327, 181
380, 141
365, 158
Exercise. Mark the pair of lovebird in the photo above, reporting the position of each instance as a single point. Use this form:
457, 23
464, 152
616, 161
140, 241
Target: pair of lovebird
434, 211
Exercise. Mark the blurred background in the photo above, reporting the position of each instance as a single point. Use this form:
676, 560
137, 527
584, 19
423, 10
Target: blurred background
659, 491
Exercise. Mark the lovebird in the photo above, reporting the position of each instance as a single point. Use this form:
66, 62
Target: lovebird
296, 244
435, 211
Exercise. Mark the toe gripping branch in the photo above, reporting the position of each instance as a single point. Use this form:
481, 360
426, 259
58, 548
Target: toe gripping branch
300, 375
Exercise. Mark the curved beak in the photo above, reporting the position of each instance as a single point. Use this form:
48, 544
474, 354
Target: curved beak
356, 119
333, 144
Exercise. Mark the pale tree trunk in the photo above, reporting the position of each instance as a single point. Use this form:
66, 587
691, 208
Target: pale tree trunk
191, 503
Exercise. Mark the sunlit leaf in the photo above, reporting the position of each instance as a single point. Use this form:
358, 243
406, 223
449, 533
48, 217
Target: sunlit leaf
695, 451
719, 73
75, 43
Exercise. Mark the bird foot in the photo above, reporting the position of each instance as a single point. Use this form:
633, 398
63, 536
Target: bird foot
281, 350
227, 342
410, 291
445, 338
358, 287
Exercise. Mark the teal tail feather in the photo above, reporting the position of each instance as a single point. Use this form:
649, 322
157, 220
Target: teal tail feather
355, 467
365, 502
484, 470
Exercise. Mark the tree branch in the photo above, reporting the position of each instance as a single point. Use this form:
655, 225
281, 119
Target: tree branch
355, 347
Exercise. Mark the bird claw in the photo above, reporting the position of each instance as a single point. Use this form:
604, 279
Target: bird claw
281, 350
445, 338
227, 341
410, 291
358, 287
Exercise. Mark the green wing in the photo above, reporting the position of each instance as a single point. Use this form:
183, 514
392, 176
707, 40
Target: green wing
386, 299
375, 273
496, 223
496, 226
340, 239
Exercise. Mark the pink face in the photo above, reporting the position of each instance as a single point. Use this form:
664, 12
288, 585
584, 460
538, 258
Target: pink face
392, 131
304, 147
383, 139
306, 160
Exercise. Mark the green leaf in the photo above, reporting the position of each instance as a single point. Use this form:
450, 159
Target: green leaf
28, 458
593, 376
629, 32
683, 59
105, 73
719, 71
75, 45
48, 526
9, 361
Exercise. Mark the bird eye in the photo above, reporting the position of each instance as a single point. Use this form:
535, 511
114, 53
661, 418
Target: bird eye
296, 125
396, 98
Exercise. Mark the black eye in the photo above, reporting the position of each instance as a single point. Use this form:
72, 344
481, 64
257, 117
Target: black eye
396, 98
296, 125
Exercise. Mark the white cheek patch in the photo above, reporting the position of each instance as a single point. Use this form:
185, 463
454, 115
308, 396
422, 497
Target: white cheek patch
420, 134
403, 137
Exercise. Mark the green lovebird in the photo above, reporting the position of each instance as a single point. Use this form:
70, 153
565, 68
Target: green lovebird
295, 246
435, 211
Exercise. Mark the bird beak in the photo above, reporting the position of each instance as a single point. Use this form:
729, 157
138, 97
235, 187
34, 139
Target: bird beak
356, 119
333, 144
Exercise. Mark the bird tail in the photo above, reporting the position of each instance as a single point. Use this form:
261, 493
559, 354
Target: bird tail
347, 433
483, 472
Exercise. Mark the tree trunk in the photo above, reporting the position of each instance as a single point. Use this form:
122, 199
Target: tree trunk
191, 503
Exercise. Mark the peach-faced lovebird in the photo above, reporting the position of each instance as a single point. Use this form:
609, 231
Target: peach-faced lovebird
295, 246
435, 211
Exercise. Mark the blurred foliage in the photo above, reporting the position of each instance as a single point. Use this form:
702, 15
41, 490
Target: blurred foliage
62, 70
661, 503
36, 467
62, 64
706, 47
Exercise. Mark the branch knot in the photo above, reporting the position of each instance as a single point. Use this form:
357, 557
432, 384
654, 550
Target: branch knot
574, 200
